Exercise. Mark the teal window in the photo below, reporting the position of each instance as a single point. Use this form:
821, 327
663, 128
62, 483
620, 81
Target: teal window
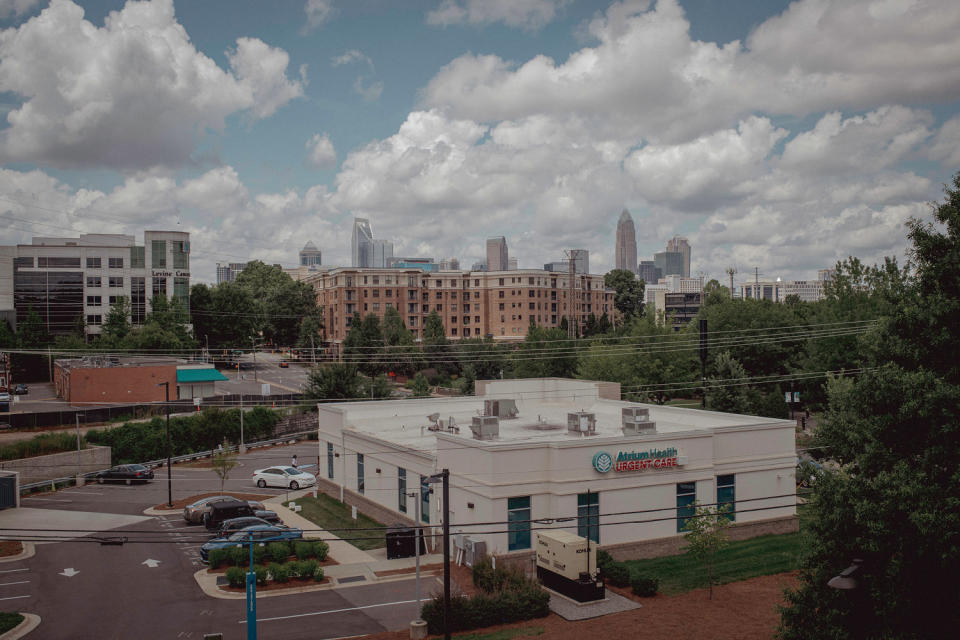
402, 490
360, 472
158, 251
137, 258
686, 496
518, 518
330, 460
727, 496
588, 516
181, 255
424, 499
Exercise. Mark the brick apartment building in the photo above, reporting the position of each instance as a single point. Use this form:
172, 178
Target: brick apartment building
498, 304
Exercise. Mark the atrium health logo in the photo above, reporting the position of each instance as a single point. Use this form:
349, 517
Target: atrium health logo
602, 461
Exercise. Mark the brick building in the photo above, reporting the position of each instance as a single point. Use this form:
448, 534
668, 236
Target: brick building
111, 380
498, 304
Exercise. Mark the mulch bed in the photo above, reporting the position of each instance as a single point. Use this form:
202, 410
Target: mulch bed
294, 583
178, 505
10, 548
329, 562
745, 610
424, 568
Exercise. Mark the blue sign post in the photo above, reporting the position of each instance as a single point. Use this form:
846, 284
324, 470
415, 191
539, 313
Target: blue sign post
251, 598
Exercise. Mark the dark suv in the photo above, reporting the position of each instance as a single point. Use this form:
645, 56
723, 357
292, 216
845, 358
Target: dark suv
226, 510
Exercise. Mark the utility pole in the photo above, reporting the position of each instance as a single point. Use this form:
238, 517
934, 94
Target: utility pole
77, 416
251, 598
166, 390
730, 272
445, 474
241, 422
703, 360
313, 352
571, 290
253, 341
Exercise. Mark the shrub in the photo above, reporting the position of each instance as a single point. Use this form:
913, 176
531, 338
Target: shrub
520, 600
218, 557
303, 549
236, 576
318, 574
261, 572
643, 586
279, 572
239, 555
604, 560
320, 549
306, 568
618, 574
491, 580
259, 553
279, 551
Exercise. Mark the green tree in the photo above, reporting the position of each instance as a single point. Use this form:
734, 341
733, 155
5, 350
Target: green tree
436, 347
480, 359
363, 344
726, 389
545, 353
377, 387
333, 381
706, 535
8, 338
401, 353
421, 387
628, 299
116, 326
30, 331
894, 503
280, 302
223, 462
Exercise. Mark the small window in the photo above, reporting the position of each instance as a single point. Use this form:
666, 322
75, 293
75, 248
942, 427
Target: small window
518, 518
686, 496
93, 263
727, 496
93, 281
330, 460
402, 490
116, 282
93, 301
94, 319
360, 482
424, 499
588, 516
116, 263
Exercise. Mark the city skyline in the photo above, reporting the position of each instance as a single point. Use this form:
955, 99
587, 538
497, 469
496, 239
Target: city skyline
762, 132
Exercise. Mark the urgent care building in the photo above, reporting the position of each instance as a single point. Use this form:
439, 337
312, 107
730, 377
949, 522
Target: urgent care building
555, 453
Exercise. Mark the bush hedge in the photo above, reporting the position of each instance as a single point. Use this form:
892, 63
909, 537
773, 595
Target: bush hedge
306, 568
320, 549
239, 556
41, 445
279, 572
236, 577
318, 574
279, 550
491, 580
618, 574
514, 603
643, 586
218, 557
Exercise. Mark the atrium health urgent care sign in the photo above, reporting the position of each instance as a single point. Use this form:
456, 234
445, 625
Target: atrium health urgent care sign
638, 460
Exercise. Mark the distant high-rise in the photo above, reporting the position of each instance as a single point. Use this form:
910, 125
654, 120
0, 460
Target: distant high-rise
678, 244
648, 272
512, 263
581, 260
365, 251
450, 264
670, 263
497, 256
310, 256
626, 248
229, 272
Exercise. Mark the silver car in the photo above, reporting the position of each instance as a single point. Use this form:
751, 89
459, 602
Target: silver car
193, 513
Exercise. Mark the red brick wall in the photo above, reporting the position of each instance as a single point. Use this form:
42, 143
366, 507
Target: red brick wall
121, 384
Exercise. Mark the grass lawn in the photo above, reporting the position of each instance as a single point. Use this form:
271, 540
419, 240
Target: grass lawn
503, 634
9, 621
335, 517
742, 559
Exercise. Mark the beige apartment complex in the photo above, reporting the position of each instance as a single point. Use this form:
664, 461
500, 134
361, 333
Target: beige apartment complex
473, 304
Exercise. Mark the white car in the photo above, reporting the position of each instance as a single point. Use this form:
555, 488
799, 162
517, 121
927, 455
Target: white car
283, 477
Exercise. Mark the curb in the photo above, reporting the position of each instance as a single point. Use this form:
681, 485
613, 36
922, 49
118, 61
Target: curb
30, 622
27, 552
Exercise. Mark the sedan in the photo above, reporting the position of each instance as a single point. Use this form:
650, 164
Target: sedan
260, 534
284, 364
21, 389
128, 473
193, 513
236, 524
260, 511
283, 477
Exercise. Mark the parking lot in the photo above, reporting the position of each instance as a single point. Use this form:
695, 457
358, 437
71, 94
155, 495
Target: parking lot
145, 586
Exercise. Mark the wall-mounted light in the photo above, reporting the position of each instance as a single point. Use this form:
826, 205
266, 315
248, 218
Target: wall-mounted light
469, 505
336, 455
378, 470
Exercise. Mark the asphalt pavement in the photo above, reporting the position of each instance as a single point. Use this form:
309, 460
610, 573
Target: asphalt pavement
145, 587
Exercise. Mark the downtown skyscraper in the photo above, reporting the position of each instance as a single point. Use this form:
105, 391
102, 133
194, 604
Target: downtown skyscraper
365, 251
678, 244
625, 252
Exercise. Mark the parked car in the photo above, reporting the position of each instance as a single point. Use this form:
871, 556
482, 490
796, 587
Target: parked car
21, 389
128, 473
193, 513
235, 524
224, 510
283, 477
260, 511
284, 364
261, 534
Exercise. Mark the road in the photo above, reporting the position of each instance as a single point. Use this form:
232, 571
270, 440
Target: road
145, 588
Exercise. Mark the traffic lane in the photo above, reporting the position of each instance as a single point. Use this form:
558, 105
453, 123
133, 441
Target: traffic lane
16, 586
399, 591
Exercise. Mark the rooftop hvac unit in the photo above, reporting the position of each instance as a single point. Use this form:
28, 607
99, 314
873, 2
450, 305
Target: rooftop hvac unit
636, 421
485, 427
582, 423
500, 408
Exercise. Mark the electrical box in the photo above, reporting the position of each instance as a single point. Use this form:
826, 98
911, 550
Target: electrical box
582, 423
565, 554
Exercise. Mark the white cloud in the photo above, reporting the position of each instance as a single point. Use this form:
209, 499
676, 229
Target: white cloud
10, 8
132, 94
349, 56
320, 152
369, 92
318, 12
946, 144
526, 14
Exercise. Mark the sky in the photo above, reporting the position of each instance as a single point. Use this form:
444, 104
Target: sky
778, 137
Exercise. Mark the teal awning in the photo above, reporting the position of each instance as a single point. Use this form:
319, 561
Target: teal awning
199, 375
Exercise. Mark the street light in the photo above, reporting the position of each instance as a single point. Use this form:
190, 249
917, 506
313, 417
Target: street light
418, 498
444, 477
166, 391
846, 580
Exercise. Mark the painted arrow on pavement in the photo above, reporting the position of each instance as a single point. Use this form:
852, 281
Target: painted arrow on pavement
69, 572
153, 564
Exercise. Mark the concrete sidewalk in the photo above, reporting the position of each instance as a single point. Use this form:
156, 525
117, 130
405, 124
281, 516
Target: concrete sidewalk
56, 524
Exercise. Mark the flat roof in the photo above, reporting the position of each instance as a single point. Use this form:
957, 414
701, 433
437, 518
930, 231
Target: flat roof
200, 375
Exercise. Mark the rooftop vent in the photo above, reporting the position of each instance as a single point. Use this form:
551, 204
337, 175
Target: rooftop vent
501, 408
636, 421
582, 423
485, 427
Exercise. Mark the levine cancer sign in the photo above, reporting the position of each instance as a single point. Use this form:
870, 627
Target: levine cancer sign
637, 460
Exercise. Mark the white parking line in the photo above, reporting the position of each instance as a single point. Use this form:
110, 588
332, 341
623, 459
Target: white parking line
86, 493
46, 499
12, 570
14, 597
7, 584
322, 613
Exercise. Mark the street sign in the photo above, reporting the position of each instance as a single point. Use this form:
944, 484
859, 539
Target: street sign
265, 389
796, 396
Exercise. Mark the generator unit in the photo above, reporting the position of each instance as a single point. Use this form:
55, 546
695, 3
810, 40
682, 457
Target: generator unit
636, 421
567, 564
